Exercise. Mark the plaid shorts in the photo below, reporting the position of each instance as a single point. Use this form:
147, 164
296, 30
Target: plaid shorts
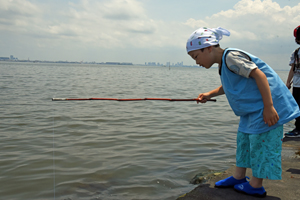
261, 153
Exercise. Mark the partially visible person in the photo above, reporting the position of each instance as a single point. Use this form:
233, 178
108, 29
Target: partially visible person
294, 78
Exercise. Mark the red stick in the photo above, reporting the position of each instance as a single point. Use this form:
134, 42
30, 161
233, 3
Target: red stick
113, 99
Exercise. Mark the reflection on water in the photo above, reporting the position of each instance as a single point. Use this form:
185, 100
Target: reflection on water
108, 149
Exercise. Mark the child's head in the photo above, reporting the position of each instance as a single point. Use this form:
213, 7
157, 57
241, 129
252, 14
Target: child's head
297, 34
202, 39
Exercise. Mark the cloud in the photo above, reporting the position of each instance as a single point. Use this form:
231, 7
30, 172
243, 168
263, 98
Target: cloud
24, 8
106, 25
254, 20
15, 15
123, 10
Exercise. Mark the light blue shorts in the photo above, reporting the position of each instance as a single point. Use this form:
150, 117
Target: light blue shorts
261, 153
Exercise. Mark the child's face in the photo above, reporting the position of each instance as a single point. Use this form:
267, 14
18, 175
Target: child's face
202, 58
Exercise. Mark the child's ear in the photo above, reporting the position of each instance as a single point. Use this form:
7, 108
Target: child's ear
209, 48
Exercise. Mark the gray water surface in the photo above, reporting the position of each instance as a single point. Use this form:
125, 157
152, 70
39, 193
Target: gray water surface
109, 149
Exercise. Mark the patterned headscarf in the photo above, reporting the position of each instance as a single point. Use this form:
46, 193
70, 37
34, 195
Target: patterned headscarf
205, 37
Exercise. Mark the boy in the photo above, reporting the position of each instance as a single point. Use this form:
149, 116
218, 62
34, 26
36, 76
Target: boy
294, 77
256, 94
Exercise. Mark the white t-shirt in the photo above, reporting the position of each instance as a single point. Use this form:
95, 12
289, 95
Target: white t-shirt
296, 79
239, 63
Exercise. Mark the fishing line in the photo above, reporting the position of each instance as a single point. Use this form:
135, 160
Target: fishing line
53, 146
53, 157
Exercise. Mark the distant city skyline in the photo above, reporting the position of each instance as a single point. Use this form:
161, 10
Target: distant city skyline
12, 58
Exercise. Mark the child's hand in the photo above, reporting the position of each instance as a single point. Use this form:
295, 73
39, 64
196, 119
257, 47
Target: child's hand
270, 116
203, 97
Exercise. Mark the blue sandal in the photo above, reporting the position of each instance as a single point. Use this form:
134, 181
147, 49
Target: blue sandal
230, 182
246, 188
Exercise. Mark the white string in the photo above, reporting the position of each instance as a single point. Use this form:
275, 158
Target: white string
53, 157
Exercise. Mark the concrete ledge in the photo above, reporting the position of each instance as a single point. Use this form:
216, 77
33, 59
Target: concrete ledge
286, 189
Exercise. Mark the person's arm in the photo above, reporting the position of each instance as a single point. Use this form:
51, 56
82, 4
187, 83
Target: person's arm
270, 114
203, 97
289, 80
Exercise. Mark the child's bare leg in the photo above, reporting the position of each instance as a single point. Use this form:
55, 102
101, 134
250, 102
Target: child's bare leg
239, 173
256, 182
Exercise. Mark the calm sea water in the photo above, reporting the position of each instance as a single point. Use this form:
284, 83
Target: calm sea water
105, 149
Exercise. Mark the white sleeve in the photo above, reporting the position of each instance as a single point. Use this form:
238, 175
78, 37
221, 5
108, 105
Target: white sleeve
239, 63
292, 59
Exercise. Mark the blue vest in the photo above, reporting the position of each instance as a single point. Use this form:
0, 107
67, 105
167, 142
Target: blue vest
246, 101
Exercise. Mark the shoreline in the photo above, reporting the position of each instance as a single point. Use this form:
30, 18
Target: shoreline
285, 189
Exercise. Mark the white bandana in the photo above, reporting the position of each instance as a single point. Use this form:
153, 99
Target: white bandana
205, 37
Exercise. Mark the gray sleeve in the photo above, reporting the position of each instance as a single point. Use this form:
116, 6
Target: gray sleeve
240, 63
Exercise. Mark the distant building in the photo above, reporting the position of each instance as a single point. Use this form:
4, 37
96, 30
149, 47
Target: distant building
118, 63
126, 63
10, 58
4, 58
151, 63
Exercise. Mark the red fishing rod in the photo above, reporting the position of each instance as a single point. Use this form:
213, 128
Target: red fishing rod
114, 99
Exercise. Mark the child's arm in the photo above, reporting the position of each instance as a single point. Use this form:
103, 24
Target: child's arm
203, 97
290, 77
270, 114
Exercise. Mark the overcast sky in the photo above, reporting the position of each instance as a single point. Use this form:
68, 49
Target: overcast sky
140, 31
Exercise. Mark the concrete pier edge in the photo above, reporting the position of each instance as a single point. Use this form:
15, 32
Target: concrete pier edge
286, 189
